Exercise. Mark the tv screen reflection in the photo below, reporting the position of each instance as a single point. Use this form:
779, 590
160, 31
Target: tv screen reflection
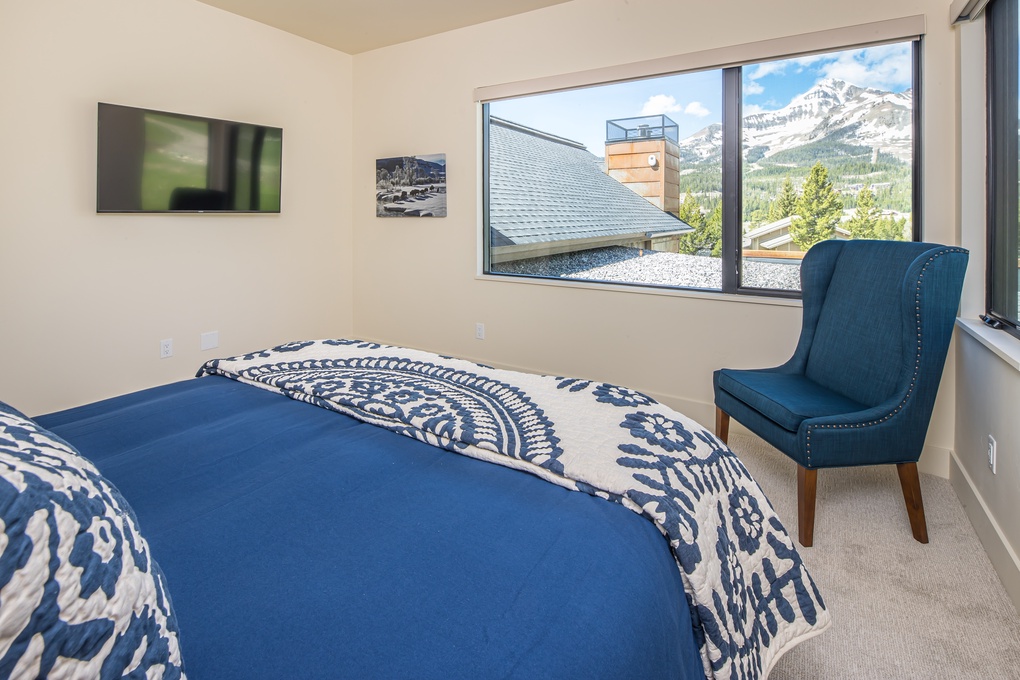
154, 161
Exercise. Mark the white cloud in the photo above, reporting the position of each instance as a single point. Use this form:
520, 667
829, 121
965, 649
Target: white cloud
887, 67
667, 103
660, 103
767, 68
696, 109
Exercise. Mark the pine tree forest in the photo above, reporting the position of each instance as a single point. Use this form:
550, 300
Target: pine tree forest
817, 195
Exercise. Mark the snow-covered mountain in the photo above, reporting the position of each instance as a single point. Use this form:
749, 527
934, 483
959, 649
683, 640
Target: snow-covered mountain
832, 110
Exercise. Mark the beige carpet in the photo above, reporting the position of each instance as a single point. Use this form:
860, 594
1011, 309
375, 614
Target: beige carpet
900, 609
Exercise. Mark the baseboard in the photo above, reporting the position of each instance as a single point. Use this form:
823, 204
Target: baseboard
935, 461
699, 411
1002, 556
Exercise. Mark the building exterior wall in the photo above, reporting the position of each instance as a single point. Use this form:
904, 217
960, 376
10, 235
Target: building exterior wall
627, 163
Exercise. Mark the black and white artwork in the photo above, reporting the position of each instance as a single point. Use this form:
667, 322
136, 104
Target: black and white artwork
411, 186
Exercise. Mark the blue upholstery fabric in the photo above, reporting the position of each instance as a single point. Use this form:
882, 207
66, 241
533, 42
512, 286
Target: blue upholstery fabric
300, 543
785, 398
860, 387
856, 349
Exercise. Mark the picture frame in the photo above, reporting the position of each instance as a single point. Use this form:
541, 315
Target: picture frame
411, 186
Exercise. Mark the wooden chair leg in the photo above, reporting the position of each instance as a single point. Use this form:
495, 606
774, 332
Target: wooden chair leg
806, 487
722, 425
911, 485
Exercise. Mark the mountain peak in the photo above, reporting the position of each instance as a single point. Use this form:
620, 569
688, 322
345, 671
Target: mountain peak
831, 108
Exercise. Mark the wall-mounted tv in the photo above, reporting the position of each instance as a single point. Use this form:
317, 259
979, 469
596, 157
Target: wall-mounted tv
155, 161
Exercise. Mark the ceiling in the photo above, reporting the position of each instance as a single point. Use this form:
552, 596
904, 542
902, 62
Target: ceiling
354, 26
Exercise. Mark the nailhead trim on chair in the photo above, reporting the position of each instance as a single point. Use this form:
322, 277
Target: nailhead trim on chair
917, 362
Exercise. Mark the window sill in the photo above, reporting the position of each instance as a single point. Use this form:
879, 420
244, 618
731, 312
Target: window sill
1001, 343
643, 290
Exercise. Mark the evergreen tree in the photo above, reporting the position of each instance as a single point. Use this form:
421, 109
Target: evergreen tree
757, 217
690, 211
865, 219
707, 234
786, 203
819, 210
713, 230
888, 228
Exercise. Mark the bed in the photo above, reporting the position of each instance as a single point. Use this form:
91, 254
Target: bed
339, 508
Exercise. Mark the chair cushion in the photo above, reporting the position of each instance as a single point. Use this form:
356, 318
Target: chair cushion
786, 399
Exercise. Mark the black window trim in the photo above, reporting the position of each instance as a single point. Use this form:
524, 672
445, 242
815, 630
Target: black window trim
1002, 50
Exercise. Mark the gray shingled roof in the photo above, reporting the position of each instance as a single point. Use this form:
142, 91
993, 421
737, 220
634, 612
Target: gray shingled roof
544, 188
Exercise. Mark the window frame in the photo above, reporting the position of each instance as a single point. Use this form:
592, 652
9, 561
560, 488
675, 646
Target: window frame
1003, 197
735, 231
730, 61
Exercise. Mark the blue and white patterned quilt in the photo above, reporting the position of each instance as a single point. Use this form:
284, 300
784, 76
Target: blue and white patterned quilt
750, 596
80, 595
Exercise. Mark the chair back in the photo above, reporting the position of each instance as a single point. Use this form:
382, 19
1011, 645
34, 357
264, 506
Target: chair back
881, 316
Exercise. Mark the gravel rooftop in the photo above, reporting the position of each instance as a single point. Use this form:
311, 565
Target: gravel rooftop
628, 265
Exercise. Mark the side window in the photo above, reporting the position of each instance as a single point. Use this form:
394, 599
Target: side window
1003, 223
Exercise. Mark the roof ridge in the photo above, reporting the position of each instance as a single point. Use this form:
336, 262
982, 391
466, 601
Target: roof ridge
493, 120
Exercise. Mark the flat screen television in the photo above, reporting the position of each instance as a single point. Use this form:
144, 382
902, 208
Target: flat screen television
155, 161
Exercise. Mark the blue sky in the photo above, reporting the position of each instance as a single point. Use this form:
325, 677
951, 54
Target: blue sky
694, 100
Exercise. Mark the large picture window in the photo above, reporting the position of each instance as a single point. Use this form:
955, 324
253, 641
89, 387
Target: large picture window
716, 179
1003, 35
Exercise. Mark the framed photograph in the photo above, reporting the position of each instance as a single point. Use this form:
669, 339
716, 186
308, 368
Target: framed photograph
411, 186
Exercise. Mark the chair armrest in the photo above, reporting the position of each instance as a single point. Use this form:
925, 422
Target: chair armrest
892, 432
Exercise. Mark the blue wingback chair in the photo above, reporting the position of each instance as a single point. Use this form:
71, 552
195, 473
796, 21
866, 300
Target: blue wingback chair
859, 389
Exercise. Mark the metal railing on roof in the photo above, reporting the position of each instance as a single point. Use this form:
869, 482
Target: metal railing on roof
641, 127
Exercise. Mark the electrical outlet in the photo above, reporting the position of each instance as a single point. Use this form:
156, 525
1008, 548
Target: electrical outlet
479, 331
992, 454
166, 348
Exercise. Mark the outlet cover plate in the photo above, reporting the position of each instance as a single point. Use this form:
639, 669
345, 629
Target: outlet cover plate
210, 340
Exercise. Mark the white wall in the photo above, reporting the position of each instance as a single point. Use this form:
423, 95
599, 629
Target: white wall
416, 282
989, 391
988, 385
87, 297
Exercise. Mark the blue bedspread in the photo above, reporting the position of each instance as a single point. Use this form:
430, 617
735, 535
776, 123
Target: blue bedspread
300, 543
751, 598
